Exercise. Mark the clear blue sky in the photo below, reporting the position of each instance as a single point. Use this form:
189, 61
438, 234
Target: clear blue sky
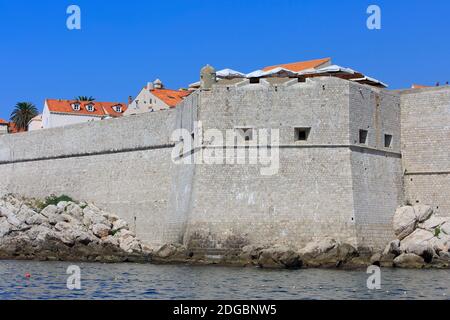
124, 44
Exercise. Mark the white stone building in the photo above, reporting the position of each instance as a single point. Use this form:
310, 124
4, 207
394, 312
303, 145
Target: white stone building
3, 127
154, 97
59, 113
35, 123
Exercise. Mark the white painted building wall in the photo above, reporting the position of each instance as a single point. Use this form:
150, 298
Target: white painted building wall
53, 120
3, 129
145, 102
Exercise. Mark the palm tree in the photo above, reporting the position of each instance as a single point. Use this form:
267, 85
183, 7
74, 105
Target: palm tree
22, 114
85, 98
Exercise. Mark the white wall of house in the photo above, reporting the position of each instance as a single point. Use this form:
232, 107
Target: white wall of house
35, 124
3, 129
145, 102
53, 120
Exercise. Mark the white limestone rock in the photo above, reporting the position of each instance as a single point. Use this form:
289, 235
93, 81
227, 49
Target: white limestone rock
405, 221
59, 233
119, 225
91, 217
5, 227
423, 212
75, 211
101, 230
10, 216
392, 248
419, 242
409, 260
53, 214
36, 219
62, 205
432, 223
445, 228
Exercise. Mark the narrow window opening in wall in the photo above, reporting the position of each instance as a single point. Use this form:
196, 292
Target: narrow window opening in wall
245, 133
302, 134
387, 141
254, 80
363, 136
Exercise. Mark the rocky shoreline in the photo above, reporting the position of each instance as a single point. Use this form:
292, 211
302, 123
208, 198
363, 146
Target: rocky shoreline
55, 230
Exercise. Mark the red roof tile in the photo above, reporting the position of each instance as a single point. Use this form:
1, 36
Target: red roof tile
100, 108
170, 97
300, 66
3, 122
12, 128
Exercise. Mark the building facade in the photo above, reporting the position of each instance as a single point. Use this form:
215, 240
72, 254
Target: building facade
59, 113
155, 97
3, 127
349, 155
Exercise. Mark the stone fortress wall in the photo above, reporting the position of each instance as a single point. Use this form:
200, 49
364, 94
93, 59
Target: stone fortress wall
426, 147
329, 185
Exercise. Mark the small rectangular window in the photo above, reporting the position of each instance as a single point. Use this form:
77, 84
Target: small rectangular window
363, 136
302, 134
387, 141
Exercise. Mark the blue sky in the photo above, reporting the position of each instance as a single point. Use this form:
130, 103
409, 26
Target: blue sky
124, 44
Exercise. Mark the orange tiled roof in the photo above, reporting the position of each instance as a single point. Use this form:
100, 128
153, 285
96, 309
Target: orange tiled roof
3, 121
170, 97
419, 86
300, 66
100, 108
12, 128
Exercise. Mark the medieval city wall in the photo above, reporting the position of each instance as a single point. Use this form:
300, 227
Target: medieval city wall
426, 147
376, 168
329, 185
122, 165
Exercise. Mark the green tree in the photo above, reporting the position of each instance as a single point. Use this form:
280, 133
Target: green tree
22, 114
85, 98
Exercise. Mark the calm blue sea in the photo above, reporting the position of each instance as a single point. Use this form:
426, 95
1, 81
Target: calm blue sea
48, 280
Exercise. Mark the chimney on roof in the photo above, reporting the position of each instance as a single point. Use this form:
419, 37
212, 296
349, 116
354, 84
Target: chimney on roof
150, 86
130, 99
157, 84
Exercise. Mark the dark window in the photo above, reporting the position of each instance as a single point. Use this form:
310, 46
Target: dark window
363, 136
387, 141
302, 134
254, 80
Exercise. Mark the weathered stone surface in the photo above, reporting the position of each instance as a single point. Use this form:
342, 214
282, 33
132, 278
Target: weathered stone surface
409, 260
58, 233
101, 230
36, 219
393, 248
327, 253
405, 221
119, 224
446, 228
432, 223
419, 243
279, 257
423, 212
